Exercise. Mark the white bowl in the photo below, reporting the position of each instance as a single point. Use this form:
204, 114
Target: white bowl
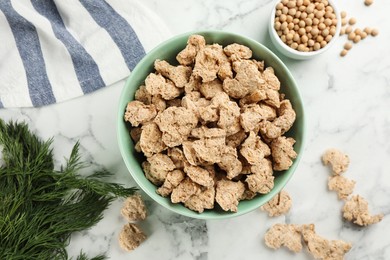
300, 55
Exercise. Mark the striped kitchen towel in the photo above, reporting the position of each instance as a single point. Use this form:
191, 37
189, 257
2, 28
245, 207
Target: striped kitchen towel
56, 50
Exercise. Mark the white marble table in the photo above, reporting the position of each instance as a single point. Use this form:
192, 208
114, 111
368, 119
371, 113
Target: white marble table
347, 102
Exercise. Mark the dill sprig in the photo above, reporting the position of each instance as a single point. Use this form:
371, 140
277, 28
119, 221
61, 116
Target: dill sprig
40, 207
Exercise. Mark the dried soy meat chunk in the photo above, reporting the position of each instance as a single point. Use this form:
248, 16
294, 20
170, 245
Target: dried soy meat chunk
134, 208
278, 205
340, 184
283, 153
253, 149
194, 44
138, 113
288, 235
337, 160
228, 194
150, 141
179, 75
204, 200
322, 248
156, 84
185, 190
356, 210
176, 124
131, 237
172, 180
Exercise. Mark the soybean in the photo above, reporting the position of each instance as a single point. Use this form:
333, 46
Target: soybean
306, 25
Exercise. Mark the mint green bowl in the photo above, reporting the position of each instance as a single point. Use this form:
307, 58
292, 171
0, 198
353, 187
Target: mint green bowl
168, 51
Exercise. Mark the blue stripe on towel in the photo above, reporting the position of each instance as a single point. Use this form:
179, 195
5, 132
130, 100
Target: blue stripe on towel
118, 28
1, 104
29, 48
86, 69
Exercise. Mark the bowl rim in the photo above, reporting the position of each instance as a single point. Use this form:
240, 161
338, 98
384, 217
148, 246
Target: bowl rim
300, 53
120, 122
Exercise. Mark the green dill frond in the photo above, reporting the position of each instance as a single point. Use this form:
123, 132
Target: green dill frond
74, 164
41, 207
23, 150
83, 256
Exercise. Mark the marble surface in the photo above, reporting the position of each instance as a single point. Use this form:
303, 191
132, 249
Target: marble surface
347, 102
